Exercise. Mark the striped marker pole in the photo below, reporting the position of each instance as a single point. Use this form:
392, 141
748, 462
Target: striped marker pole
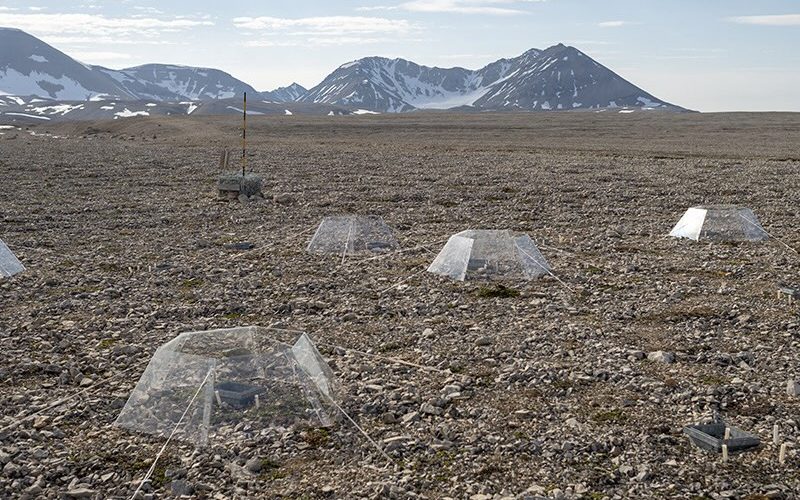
244, 134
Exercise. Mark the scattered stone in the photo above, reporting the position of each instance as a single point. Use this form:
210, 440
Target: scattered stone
282, 198
484, 341
253, 465
429, 409
410, 417
81, 493
244, 245
636, 355
181, 487
661, 357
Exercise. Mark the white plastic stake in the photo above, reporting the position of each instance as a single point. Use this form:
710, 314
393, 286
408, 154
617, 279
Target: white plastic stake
219, 399
258, 402
724, 452
727, 433
776, 434
782, 455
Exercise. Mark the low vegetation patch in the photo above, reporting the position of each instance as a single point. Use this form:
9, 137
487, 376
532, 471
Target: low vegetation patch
316, 438
615, 416
497, 291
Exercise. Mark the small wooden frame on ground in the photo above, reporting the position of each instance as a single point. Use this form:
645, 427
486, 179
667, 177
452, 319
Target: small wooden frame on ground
235, 186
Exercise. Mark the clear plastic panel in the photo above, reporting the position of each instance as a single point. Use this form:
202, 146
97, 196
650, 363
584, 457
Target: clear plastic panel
731, 223
164, 393
311, 361
352, 234
9, 264
690, 224
720, 223
751, 227
533, 262
244, 380
489, 255
493, 256
454, 258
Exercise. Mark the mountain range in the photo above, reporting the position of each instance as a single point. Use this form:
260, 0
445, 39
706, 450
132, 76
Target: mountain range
557, 78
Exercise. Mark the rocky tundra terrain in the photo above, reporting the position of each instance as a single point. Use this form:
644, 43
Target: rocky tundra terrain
536, 390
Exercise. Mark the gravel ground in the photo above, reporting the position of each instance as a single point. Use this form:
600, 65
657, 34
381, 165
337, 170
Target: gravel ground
574, 390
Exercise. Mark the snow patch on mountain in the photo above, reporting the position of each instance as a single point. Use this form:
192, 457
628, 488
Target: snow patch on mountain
26, 115
189, 83
648, 103
240, 110
57, 109
127, 113
43, 84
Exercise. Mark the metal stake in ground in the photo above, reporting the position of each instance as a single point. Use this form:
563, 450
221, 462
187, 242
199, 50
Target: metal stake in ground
244, 133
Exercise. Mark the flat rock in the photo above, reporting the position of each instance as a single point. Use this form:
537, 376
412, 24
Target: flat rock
661, 357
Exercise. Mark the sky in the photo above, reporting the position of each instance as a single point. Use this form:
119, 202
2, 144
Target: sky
709, 55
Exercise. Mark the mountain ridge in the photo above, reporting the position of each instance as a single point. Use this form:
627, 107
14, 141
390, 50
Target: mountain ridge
31, 67
536, 80
559, 77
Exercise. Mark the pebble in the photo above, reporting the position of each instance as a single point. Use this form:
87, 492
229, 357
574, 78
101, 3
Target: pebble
430, 409
283, 198
253, 465
81, 493
661, 357
181, 487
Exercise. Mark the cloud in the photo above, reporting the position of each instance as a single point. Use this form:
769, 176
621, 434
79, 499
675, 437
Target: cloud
95, 56
588, 42
614, 24
490, 7
94, 25
324, 41
322, 31
148, 10
102, 40
328, 26
468, 56
776, 20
